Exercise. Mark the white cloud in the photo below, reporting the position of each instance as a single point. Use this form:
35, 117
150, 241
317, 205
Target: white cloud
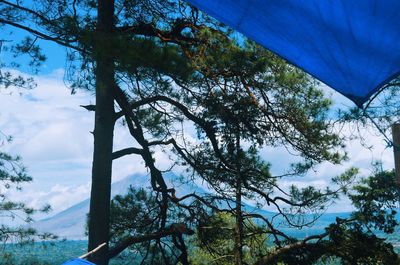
59, 196
52, 134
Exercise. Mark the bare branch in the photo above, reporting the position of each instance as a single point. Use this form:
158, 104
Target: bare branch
174, 229
127, 151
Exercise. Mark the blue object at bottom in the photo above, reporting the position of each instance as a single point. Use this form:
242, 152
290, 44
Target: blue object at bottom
78, 262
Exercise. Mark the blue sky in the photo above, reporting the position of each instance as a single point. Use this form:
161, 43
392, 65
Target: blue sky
52, 134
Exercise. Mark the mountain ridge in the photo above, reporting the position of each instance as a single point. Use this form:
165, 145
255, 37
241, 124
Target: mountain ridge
70, 223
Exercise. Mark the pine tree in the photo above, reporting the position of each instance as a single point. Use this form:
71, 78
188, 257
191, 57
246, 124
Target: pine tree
161, 66
16, 215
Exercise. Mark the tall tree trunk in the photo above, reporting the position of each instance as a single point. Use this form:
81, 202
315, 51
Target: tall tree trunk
99, 216
239, 217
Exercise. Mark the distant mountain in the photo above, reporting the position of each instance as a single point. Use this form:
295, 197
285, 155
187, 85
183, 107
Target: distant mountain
71, 222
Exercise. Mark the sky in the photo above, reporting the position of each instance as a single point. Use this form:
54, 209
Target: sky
52, 135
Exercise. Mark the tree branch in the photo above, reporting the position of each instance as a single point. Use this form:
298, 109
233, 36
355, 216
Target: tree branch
42, 35
126, 151
150, 30
174, 229
206, 126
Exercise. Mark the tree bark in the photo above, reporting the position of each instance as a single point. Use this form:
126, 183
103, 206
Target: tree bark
396, 151
239, 216
99, 217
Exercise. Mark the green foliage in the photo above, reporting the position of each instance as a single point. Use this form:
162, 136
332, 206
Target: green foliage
214, 243
377, 200
355, 240
136, 214
356, 246
28, 47
9, 79
275, 95
132, 214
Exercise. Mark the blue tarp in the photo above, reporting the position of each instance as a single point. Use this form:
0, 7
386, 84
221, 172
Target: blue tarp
78, 262
351, 45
